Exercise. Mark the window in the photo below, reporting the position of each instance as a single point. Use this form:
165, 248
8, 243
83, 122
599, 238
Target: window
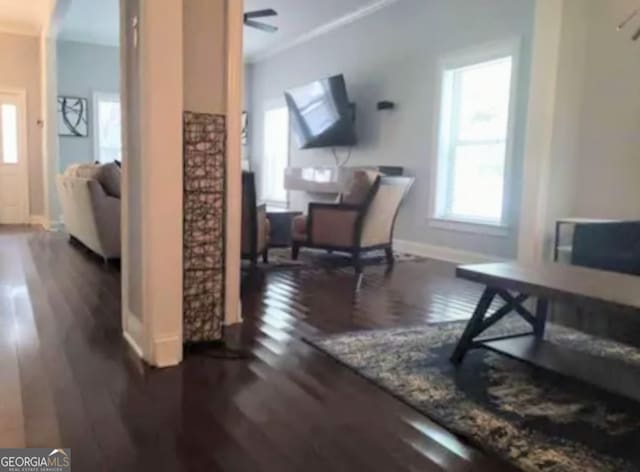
276, 153
108, 141
474, 137
9, 136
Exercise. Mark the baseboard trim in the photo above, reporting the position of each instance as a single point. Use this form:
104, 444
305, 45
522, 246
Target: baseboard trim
38, 220
443, 253
133, 345
163, 352
42, 221
167, 352
132, 332
236, 320
55, 226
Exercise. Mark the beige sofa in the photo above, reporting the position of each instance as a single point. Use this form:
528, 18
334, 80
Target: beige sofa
90, 199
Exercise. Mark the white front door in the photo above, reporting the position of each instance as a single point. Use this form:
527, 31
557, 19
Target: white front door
14, 183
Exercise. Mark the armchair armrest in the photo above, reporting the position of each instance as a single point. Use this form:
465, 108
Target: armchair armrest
263, 228
333, 225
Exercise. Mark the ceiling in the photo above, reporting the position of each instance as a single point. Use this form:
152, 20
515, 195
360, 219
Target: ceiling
24, 16
96, 21
299, 19
91, 21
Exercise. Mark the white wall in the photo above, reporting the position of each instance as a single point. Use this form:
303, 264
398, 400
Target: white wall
20, 69
83, 69
392, 55
608, 155
592, 163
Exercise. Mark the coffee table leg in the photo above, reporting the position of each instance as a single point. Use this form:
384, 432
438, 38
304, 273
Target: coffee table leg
542, 309
471, 331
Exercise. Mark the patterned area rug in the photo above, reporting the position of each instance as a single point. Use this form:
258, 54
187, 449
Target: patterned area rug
534, 419
280, 258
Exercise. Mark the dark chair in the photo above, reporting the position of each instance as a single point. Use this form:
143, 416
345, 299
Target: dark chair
354, 228
255, 225
608, 246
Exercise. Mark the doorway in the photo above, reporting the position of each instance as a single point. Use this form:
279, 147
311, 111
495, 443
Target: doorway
14, 182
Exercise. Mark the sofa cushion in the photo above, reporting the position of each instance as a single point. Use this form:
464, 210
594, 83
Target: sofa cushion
108, 175
359, 188
82, 171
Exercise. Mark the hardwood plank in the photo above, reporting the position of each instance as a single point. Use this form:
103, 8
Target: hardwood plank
11, 411
39, 417
289, 407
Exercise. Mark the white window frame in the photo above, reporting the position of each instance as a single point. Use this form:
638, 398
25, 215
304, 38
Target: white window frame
97, 97
440, 163
271, 105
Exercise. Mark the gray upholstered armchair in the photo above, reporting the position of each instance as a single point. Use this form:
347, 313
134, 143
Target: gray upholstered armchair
357, 227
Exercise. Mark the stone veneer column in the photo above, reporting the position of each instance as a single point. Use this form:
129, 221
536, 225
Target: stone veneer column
204, 226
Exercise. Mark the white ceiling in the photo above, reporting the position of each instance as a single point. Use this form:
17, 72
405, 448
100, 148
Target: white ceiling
91, 21
24, 16
96, 21
298, 20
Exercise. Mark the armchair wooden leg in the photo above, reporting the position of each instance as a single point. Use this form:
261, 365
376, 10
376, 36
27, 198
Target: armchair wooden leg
357, 262
388, 251
295, 250
265, 256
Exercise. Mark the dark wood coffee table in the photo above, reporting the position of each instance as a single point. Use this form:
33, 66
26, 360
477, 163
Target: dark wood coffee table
516, 283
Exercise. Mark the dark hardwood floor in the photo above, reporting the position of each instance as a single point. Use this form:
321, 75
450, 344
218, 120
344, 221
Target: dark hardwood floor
67, 378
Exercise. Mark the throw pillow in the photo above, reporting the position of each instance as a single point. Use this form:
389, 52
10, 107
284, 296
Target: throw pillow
109, 177
360, 186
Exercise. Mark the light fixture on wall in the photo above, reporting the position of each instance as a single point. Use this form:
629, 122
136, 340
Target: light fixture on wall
628, 20
385, 105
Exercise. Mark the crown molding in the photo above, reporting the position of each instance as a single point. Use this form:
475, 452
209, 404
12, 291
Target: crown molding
321, 30
20, 30
79, 39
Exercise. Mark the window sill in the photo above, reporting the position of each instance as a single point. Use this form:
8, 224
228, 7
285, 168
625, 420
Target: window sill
466, 226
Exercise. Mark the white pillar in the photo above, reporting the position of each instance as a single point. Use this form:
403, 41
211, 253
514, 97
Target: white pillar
177, 62
49, 106
551, 153
541, 112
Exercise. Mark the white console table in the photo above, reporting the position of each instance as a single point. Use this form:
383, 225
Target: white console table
327, 180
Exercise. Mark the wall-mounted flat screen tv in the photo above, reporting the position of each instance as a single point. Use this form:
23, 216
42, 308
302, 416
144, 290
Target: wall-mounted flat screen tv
321, 114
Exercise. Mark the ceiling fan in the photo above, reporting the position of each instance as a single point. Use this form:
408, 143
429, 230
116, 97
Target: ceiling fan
628, 19
249, 16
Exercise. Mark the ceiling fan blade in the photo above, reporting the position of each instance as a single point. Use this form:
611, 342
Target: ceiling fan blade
261, 26
261, 13
631, 16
